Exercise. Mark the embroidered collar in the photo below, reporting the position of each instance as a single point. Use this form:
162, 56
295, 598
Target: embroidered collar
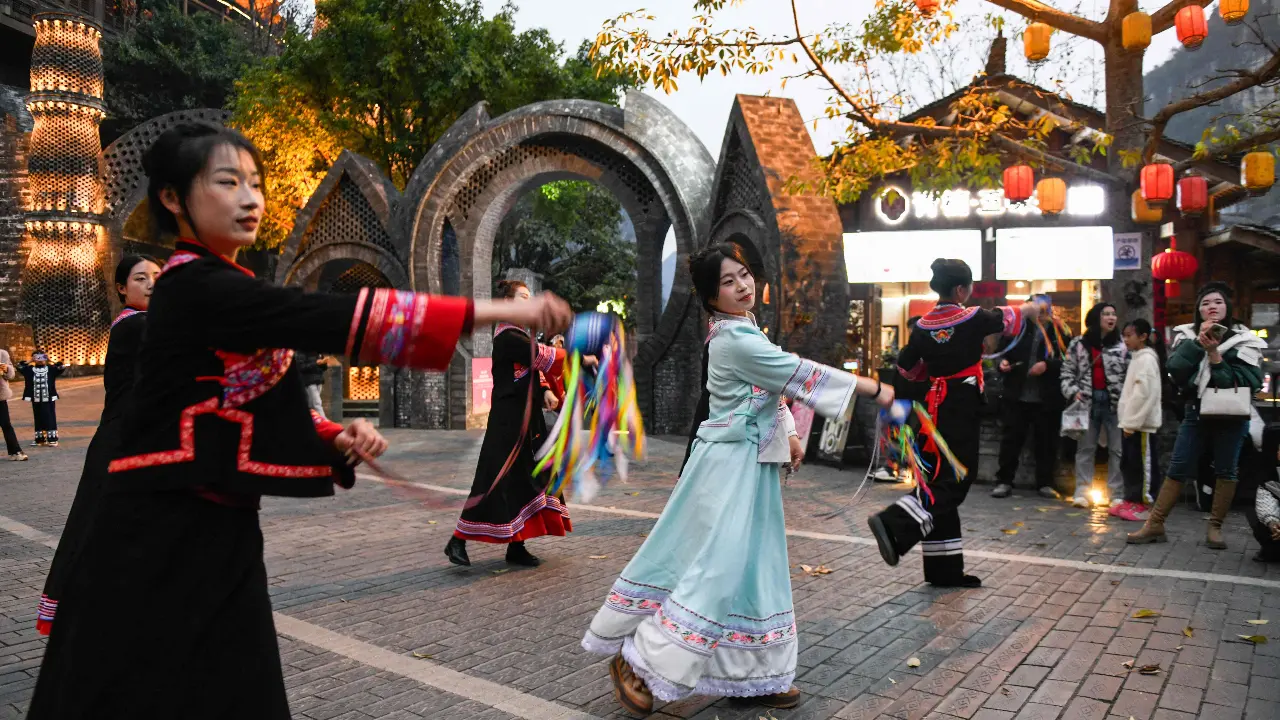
502, 327
945, 315
125, 314
719, 320
187, 249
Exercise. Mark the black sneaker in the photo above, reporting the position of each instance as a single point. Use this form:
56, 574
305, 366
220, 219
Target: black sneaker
1001, 490
965, 581
1049, 493
883, 539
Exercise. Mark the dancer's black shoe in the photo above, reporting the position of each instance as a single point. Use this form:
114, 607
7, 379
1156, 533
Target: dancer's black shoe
456, 551
965, 581
883, 539
518, 555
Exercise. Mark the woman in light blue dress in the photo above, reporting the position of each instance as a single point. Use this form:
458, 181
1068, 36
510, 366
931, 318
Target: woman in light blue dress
705, 605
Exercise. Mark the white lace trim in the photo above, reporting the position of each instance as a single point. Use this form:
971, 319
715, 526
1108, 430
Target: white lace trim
668, 691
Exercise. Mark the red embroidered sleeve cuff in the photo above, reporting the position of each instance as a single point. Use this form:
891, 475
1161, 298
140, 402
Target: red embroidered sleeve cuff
327, 429
1012, 320
405, 329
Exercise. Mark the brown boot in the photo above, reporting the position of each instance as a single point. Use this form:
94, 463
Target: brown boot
1224, 491
1153, 529
782, 700
628, 689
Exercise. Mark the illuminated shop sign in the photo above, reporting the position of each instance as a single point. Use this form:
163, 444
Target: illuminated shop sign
893, 205
905, 255
1055, 253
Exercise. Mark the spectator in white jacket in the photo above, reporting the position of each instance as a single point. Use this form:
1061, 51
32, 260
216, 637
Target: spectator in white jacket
1139, 419
7, 373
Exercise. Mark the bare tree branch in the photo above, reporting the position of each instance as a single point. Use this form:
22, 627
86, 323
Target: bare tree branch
1058, 19
1245, 143
1163, 18
1245, 80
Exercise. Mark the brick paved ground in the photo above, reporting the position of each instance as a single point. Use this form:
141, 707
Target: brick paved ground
1042, 639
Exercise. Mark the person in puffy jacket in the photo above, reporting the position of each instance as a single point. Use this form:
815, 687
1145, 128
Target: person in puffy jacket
1093, 373
1215, 353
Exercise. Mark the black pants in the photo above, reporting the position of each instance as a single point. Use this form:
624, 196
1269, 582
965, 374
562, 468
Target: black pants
6, 425
46, 419
1262, 533
934, 522
1043, 422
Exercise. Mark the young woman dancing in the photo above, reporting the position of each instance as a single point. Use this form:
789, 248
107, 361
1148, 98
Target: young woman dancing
135, 277
705, 606
167, 614
945, 349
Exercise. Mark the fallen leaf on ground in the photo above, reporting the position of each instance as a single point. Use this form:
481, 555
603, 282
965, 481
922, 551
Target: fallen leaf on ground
1187, 631
633, 494
1127, 664
1255, 639
1144, 613
815, 571
1018, 524
431, 522
1009, 531
895, 682
913, 663
1042, 545
421, 656
1005, 691
1259, 621
1043, 509
1149, 669
597, 557
1016, 509
1115, 582
499, 572
1074, 514
1178, 648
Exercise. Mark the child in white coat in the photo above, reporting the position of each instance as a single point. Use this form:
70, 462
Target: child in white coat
1139, 418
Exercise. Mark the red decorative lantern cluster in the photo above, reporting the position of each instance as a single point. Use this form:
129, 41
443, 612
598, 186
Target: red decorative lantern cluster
1157, 184
1173, 266
928, 7
1193, 195
1019, 183
1191, 26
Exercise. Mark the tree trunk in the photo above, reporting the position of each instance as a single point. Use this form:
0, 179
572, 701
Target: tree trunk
1128, 290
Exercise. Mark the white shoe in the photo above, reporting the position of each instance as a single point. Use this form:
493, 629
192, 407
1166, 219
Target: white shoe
18, 457
883, 475
1116, 501
1080, 502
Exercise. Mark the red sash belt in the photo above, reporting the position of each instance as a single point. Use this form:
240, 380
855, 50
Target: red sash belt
936, 396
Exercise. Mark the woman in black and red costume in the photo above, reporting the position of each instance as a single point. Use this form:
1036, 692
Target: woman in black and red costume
511, 504
945, 349
135, 277
167, 614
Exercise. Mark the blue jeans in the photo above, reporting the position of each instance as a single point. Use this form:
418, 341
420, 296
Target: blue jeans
1223, 434
1102, 422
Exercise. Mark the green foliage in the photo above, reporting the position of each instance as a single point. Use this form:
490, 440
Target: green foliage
569, 232
167, 62
386, 78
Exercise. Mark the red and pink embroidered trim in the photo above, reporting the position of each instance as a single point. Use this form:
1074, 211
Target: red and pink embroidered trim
945, 316
326, 429
1012, 320
407, 329
125, 314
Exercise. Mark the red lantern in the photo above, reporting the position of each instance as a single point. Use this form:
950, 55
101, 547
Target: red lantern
1173, 266
1019, 183
1191, 26
927, 7
1157, 184
1193, 195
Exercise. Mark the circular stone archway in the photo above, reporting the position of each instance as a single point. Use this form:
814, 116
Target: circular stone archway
655, 166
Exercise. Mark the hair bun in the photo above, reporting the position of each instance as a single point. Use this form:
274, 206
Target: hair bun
938, 264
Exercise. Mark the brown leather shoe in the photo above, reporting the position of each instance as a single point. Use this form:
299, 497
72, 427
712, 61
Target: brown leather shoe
782, 700
628, 689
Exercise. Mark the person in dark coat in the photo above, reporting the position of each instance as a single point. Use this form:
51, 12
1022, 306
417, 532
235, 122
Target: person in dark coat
1032, 404
41, 390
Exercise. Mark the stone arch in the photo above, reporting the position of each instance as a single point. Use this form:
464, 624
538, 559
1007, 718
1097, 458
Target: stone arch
656, 166
350, 209
124, 181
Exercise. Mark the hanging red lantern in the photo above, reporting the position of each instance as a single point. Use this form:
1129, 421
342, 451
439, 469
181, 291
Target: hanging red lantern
1157, 184
1191, 27
1019, 183
1173, 266
928, 7
1193, 195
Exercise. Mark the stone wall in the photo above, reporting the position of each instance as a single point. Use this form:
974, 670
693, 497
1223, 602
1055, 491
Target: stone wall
15, 135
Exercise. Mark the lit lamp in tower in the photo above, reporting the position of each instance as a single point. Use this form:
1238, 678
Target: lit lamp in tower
63, 296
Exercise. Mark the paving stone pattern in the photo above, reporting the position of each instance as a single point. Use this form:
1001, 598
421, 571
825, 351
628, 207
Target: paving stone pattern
1036, 641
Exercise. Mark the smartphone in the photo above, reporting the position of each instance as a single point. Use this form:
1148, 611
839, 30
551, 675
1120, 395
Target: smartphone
1218, 331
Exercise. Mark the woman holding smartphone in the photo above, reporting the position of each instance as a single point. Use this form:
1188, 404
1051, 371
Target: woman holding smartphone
1217, 363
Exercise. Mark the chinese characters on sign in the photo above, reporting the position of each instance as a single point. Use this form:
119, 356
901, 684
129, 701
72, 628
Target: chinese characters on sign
893, 205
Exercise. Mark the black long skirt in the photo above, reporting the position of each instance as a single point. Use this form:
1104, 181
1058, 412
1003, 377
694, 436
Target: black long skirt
83, 509
167, 615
